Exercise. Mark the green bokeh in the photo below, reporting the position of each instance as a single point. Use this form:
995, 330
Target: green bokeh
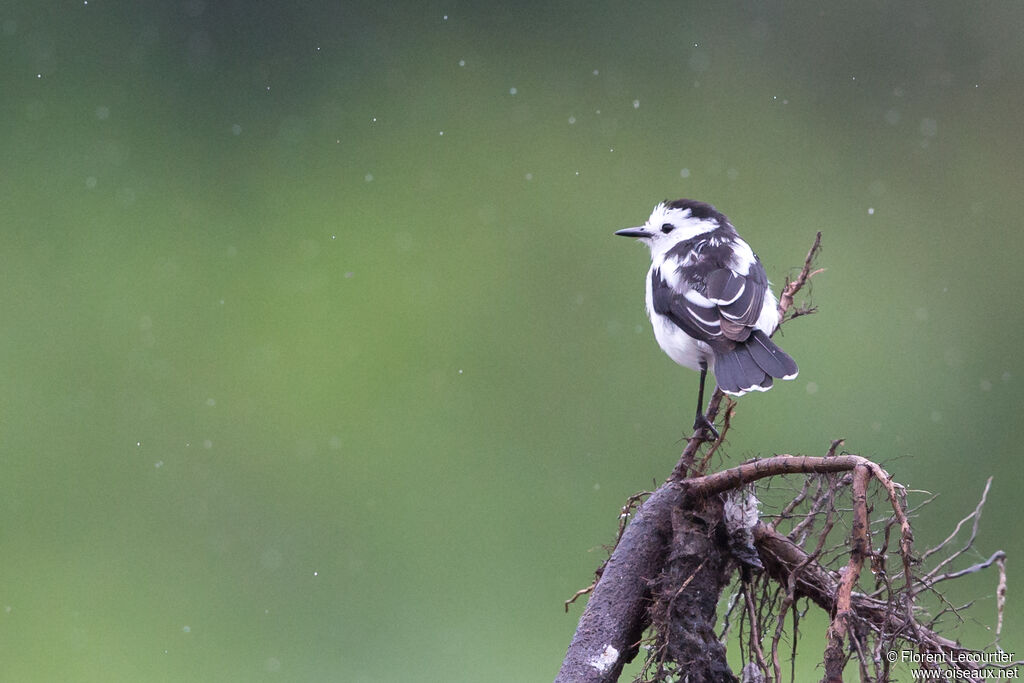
320, 361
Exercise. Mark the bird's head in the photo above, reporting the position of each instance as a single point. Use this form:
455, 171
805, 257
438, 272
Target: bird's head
677, 221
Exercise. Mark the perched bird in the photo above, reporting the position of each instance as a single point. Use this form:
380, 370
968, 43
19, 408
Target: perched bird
709, 302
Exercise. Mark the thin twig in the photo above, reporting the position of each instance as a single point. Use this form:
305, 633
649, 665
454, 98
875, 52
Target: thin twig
791, 288
976, 516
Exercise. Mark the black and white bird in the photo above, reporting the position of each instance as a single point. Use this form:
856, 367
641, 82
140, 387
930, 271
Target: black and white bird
709, 301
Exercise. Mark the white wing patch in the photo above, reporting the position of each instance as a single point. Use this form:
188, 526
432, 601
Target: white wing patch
742, 257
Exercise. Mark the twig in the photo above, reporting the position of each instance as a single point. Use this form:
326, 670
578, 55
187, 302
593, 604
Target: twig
997, 556
698, 438
976, 516
791, 288
1000, 599
730, 407
755, 630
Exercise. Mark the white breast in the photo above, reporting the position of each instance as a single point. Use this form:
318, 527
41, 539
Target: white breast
680, 347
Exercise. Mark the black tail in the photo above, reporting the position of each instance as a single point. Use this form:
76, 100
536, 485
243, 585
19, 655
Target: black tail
752, 365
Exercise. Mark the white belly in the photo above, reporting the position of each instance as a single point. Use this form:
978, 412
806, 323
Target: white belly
680, 347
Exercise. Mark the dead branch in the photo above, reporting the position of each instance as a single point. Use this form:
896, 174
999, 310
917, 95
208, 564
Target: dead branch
610, 630
806, 273
676, 552
860, 547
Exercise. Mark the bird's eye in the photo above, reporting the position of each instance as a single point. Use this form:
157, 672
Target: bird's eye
667, 228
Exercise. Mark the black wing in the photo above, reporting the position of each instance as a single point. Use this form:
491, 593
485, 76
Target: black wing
745, 358
734, 303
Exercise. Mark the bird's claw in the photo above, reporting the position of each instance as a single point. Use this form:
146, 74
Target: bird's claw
703, 425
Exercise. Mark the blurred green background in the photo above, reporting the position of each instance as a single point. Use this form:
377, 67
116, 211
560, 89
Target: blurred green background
321, 362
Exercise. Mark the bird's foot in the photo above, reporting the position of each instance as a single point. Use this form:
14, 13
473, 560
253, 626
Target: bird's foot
703, 425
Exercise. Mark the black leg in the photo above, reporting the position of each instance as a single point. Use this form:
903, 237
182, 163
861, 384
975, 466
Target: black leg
701, 421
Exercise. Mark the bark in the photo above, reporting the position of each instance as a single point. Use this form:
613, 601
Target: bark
609, 632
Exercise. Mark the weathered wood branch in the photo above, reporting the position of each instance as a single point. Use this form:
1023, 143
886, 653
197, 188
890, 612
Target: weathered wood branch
609, 632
